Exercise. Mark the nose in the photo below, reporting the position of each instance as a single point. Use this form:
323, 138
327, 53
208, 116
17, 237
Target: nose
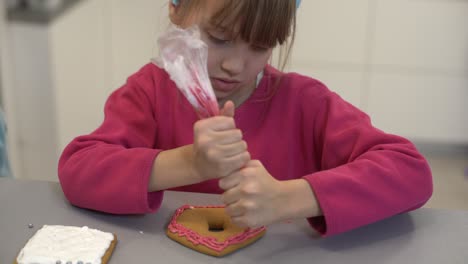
234, 62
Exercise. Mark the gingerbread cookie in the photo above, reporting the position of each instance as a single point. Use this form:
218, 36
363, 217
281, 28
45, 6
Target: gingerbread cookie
209, 230
68, 245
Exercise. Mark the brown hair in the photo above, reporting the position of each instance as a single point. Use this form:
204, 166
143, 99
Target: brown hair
265, 23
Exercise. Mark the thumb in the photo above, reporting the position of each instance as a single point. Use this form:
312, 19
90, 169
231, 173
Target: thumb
228, 109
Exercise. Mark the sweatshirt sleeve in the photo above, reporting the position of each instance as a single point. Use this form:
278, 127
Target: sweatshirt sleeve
109, 169
365, 175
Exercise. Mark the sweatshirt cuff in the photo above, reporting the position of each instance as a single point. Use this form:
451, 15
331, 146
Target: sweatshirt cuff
325, 225
150, 201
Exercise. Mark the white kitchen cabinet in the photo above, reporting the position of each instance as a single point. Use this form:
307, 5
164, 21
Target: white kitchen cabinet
64, 70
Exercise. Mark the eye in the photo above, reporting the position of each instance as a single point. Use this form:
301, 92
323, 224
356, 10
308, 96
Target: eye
257, 48
217, 40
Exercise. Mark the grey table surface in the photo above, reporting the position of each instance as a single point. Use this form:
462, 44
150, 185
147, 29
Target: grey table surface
422, 236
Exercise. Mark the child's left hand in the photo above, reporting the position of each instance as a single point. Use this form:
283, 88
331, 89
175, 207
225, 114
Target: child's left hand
252, 196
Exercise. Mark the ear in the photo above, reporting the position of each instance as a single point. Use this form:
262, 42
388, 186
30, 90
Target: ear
173, 8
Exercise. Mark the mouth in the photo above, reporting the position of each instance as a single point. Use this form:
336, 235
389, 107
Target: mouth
224, 85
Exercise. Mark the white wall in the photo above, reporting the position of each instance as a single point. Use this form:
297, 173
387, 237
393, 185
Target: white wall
419, 74
33, 104
81, 69
96, 47
403, 62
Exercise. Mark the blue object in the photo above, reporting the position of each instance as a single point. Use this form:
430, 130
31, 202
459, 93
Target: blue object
4, 164
298, 3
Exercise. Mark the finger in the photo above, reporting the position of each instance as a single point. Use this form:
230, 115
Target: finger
230, 181
216, 123
253, 164
228, 109
239, 221
236, 162
231, 196
233, 149
228, 136
235, 210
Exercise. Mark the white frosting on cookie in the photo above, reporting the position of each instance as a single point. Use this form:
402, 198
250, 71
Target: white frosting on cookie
65, 243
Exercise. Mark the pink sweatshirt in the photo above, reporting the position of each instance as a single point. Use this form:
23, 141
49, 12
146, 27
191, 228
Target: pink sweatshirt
303, 130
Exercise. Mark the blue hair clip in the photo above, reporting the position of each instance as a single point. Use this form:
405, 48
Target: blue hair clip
175, 2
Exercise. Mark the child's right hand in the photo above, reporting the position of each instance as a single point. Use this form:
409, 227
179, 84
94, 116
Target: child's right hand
218, 148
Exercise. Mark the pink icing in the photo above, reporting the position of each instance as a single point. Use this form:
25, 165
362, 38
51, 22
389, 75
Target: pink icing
207, 105
210, 242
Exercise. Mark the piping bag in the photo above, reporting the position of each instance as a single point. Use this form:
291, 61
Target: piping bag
184, 56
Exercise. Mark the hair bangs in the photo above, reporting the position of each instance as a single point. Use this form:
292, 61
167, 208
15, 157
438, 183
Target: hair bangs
264, 23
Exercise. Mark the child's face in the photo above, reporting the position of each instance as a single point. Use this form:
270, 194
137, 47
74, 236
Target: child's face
233, 64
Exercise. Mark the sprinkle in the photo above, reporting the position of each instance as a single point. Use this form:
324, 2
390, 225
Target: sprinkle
30, 225
141, 232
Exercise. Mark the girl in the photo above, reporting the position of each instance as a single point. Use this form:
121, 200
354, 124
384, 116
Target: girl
283, 147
